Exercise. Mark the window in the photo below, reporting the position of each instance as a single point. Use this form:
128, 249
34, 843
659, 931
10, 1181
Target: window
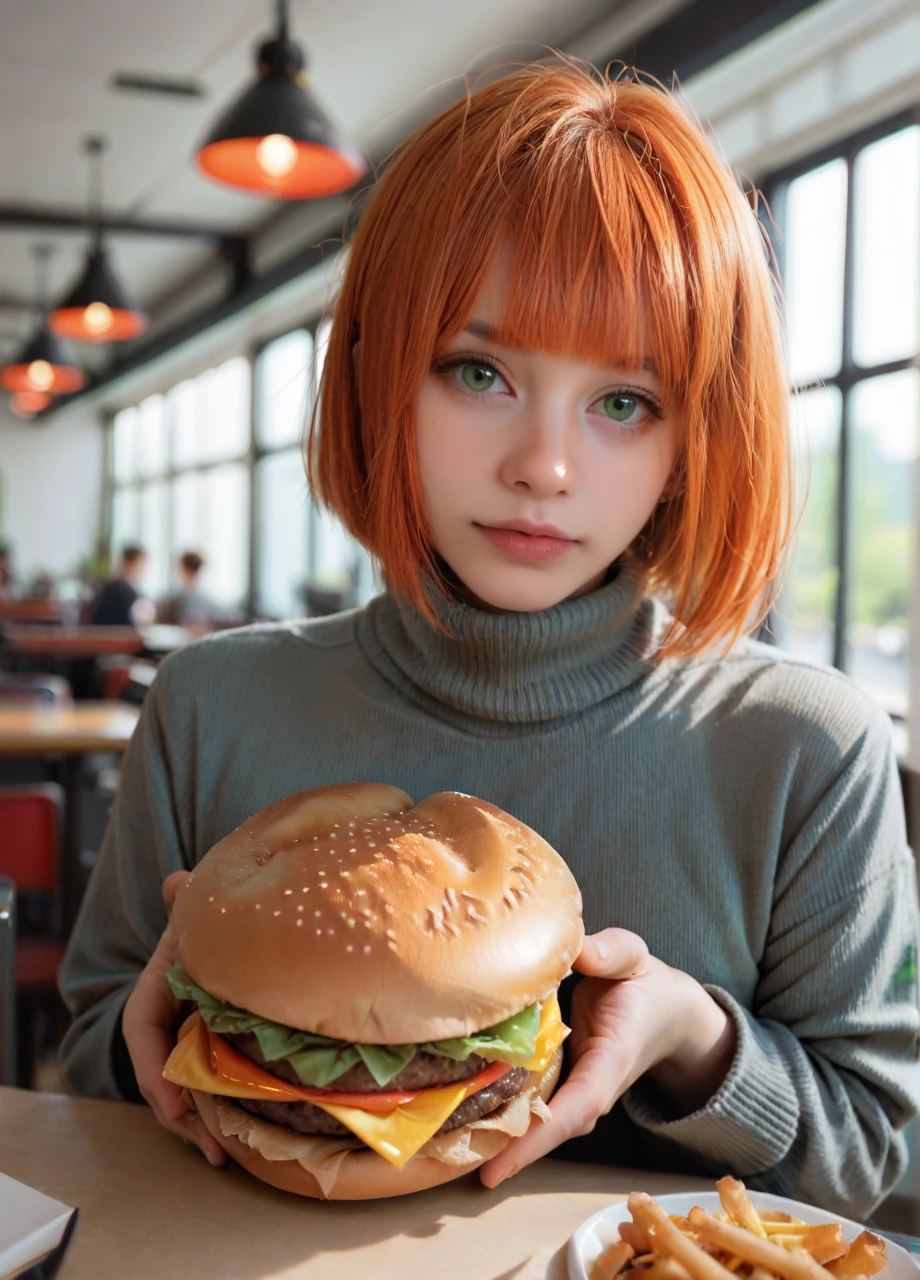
304, 558
192, 471
849, 247
181, 478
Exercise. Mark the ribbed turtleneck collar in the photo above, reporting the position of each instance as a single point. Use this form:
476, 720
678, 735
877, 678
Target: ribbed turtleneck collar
514, 668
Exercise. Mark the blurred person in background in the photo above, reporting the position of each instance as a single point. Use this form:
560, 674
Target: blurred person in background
188, 607
7, 577
120, 602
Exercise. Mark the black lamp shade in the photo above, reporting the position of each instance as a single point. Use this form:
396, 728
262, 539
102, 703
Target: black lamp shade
42, 366
276, 139
96, 309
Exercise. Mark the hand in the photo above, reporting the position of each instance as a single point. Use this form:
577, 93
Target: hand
631, 1015
151, 1017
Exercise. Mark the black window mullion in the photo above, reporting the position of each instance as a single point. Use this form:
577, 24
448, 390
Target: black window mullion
845, 382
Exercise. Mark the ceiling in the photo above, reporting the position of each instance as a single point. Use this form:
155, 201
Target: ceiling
379, 69
375, 67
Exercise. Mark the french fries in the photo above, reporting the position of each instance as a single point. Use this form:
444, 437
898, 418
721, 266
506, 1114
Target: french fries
736, 1244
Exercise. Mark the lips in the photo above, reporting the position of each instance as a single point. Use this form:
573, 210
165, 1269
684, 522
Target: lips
532, 529
525, 540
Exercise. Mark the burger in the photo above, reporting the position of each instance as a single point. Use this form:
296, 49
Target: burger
374, 986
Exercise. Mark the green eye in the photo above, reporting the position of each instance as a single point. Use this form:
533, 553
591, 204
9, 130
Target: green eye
478, 377
619, 407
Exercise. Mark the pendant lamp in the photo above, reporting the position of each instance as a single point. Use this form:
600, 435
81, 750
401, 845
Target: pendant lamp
26, 404
275, 139
41, 366
96, 309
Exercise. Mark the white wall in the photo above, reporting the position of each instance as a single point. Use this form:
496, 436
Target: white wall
51, 478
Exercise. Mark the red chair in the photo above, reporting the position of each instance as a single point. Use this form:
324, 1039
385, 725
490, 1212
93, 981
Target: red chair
30, 825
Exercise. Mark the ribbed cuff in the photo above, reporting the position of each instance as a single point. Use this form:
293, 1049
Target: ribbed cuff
749, 1124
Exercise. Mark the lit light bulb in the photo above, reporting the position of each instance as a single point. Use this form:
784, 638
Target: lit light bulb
41, 375
98, 318
276, 155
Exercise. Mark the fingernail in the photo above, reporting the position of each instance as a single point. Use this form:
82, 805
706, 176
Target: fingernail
213, 1159
603, 951
508, 1173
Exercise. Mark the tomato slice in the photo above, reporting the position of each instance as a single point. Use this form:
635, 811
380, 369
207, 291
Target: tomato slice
229, 1062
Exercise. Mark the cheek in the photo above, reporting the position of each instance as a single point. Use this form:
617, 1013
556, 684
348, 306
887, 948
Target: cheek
631, 478
446, 460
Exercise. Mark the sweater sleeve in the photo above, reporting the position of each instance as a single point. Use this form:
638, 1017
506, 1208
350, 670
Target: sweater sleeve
826, 1070
122, 914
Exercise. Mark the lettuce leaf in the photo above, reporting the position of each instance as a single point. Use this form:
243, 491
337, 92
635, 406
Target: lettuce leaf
319, 1061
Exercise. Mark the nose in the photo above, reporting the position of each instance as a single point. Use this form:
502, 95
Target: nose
539, 460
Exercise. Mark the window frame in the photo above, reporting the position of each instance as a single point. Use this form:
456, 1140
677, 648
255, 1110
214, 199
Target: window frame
254, 453
850, 374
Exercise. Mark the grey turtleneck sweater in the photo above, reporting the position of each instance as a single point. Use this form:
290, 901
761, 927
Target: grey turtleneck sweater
741, 813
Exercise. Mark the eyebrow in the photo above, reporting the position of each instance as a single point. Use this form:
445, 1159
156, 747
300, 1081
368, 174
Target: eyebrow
482, 329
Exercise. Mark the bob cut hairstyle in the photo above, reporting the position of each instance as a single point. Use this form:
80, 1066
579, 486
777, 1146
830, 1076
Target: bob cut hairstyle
628, 238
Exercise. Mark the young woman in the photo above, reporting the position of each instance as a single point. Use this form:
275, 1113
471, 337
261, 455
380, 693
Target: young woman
554, 396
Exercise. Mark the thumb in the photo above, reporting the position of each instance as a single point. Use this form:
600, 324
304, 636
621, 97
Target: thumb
613, 953
172, 885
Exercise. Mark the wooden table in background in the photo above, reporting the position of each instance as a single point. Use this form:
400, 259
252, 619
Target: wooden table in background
72, 730
151, 1208
66, 643
63, 735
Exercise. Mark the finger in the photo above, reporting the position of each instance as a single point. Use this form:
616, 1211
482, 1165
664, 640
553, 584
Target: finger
150, 1045
173, 1112
590, 1092
190, 1127
613, 953
171, 887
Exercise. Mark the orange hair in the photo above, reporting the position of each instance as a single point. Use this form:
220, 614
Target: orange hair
628, 238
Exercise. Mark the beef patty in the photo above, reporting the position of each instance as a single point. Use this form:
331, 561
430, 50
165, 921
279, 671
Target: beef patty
304, 1117
425, 1071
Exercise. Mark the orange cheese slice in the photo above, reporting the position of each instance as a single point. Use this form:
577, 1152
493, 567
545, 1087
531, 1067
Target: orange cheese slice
396, 1134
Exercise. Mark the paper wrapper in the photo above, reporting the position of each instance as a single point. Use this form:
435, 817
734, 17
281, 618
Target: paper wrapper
323, 1156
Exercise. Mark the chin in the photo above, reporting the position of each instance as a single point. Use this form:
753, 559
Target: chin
514, 590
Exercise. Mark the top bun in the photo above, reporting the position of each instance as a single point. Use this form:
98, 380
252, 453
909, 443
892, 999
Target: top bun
350, 912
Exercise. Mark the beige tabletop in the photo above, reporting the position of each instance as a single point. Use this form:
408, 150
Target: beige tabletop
74, 729
151, 1208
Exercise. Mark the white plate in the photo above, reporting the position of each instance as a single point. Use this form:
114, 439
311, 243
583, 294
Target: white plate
594, 1235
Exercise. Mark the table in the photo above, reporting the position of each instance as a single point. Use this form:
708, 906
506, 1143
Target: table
66, 733
66, 730
65, 643
151, 1208
32, 610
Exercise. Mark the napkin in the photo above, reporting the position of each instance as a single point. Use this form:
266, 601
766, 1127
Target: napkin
34, 1231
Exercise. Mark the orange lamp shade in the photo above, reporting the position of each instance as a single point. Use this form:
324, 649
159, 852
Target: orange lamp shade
42, 367
97, 322
41, 377
277, 165
25, 404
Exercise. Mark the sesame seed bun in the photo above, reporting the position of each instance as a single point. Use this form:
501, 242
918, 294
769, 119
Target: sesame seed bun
351, 912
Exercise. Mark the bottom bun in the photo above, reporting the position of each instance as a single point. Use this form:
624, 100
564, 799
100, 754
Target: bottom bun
362, 1174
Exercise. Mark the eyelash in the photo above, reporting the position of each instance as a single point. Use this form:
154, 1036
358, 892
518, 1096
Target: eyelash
447, 365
